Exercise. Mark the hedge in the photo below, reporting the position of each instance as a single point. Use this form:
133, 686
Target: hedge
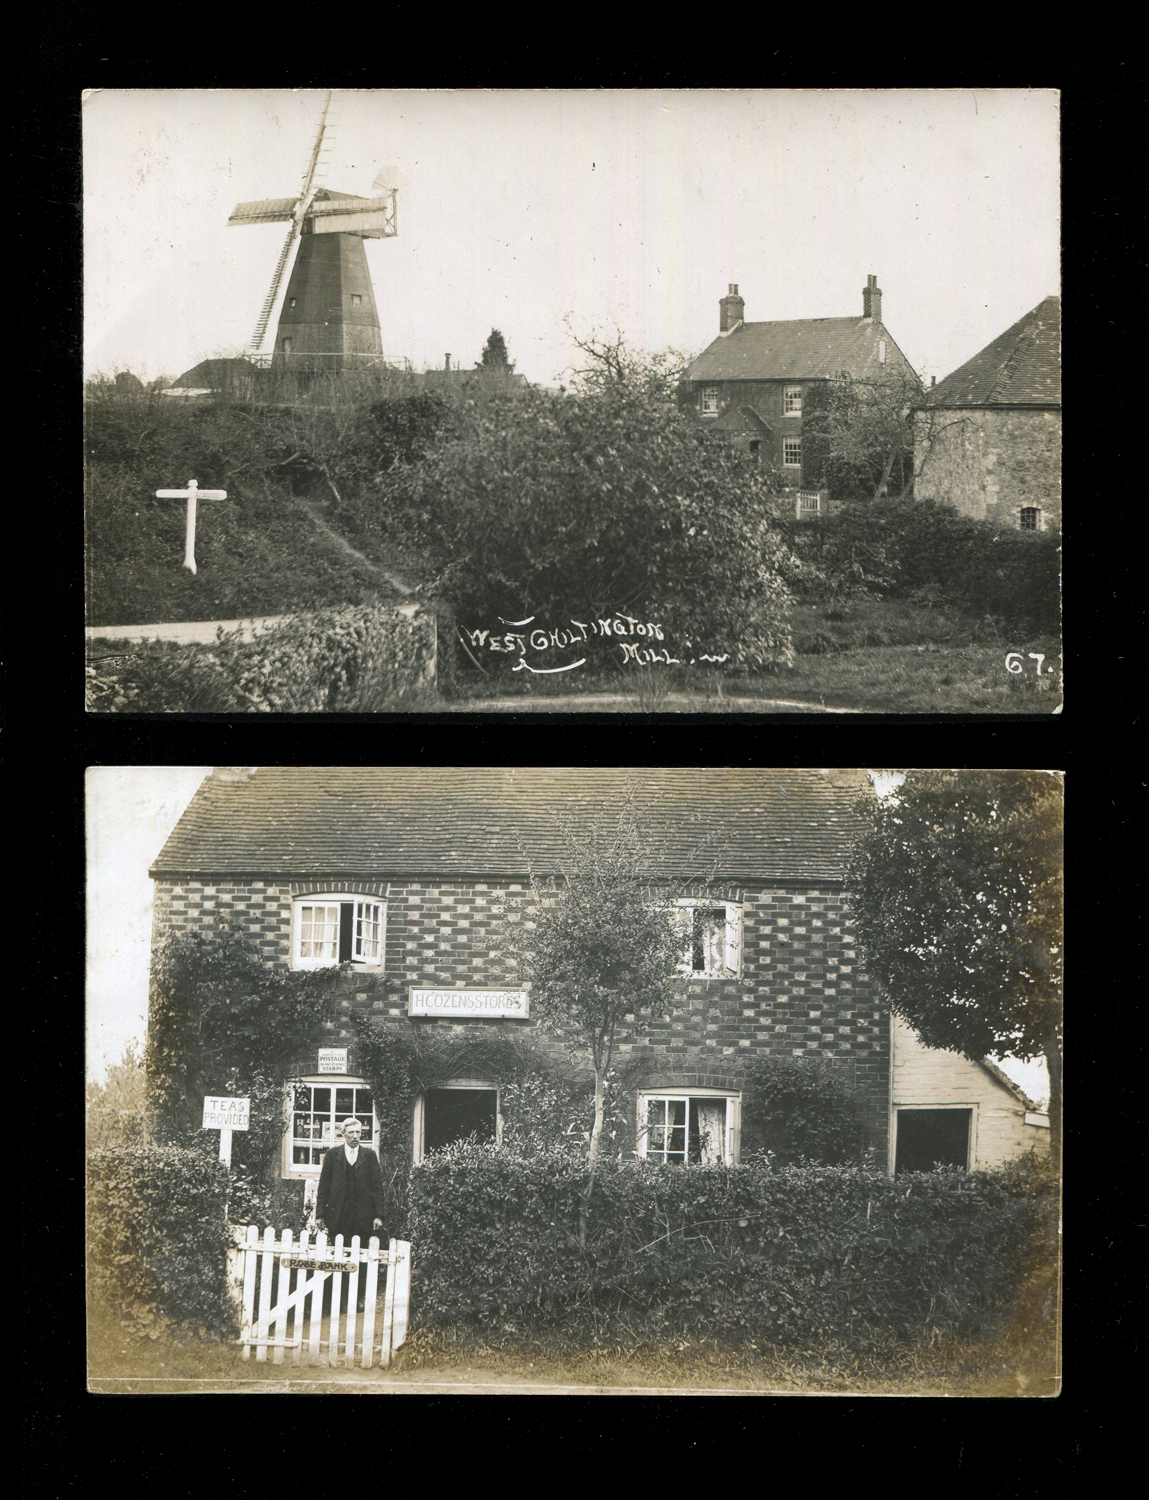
903, 549
158, 1238
790, 1256
355, 660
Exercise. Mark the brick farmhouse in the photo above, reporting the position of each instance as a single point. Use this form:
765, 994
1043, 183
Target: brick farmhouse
395, 878
752, 381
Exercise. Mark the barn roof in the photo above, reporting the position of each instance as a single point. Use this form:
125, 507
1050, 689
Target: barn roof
1020, 368
406, 821
799, 349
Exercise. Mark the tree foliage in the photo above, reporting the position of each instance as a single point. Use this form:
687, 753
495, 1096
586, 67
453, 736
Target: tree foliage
858, 434
222, 1021
957, 894
117, 1105
601, 501
495, 359
600, 948
800, 1110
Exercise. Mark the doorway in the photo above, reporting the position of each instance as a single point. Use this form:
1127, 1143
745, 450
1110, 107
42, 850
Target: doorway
929, 1138
453, 1114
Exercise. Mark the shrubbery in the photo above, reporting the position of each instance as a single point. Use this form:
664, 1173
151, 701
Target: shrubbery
902, 549
802, 1110
580, 506
344, 661
745, 1254
158, 1238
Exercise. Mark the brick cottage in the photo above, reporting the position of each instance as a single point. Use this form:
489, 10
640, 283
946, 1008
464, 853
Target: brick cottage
396, 878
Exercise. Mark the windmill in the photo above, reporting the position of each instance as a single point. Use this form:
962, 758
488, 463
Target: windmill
328, 314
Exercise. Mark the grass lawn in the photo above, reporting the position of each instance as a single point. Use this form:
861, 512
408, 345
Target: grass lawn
867, 656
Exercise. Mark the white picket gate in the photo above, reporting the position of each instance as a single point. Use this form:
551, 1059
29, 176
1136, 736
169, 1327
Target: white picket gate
292, 1317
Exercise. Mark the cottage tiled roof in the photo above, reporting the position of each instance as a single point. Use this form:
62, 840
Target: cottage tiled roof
800, 349
409, 821
1021, 368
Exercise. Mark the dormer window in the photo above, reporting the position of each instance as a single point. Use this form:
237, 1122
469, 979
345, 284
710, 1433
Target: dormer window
792, 401
709, 400
337, 929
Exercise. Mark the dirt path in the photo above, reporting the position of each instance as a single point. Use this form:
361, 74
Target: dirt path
312, 508
622, 703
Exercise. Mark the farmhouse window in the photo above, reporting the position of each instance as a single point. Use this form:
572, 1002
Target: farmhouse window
792, 401
1030, 518
711, 937
291, 301
697, 1127
709, 400
792, 452
316, 1112
337, 929
356, 299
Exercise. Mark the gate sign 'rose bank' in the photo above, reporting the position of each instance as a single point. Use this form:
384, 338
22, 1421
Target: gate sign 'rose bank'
469, 1004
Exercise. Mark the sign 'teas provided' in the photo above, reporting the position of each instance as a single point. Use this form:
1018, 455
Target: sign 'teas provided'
226, 1114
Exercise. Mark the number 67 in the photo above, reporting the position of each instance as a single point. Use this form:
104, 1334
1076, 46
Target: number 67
1013, 661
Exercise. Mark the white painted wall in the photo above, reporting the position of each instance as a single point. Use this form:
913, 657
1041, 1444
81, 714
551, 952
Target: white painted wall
927, 1078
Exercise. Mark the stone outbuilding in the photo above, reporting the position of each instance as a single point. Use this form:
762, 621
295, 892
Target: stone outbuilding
987, 439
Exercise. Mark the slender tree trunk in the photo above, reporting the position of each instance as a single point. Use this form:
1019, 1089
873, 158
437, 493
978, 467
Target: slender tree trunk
592, 1158
1053, 1062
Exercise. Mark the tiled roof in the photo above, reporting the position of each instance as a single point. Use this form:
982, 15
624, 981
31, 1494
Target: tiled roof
743, 419
1021, 368
407, 821
801, 349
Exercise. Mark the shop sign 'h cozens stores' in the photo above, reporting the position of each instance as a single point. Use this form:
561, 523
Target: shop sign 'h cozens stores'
504, 1004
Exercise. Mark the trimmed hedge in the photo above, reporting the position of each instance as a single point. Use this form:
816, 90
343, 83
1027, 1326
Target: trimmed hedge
790, 1256
158, 1238
355, 660
903, 549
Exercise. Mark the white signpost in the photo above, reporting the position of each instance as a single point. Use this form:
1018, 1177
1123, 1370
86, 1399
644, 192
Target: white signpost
191, 495
226, 1115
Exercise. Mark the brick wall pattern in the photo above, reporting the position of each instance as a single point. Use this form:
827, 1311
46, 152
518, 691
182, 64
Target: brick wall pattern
801, 991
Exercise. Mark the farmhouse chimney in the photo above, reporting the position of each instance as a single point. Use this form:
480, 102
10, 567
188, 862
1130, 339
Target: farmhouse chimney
447, 366
731, 308
872, 300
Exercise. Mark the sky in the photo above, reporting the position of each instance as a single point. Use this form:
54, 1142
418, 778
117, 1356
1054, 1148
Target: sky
623, 209
130, 811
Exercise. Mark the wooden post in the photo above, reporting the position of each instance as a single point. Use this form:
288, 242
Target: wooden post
316, 1332
191, 495
281, 1294
369, 1301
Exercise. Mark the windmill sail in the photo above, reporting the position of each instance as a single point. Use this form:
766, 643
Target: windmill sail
272, 210
267, 211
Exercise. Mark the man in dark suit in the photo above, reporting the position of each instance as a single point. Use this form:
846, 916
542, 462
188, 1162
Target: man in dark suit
350, 1196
